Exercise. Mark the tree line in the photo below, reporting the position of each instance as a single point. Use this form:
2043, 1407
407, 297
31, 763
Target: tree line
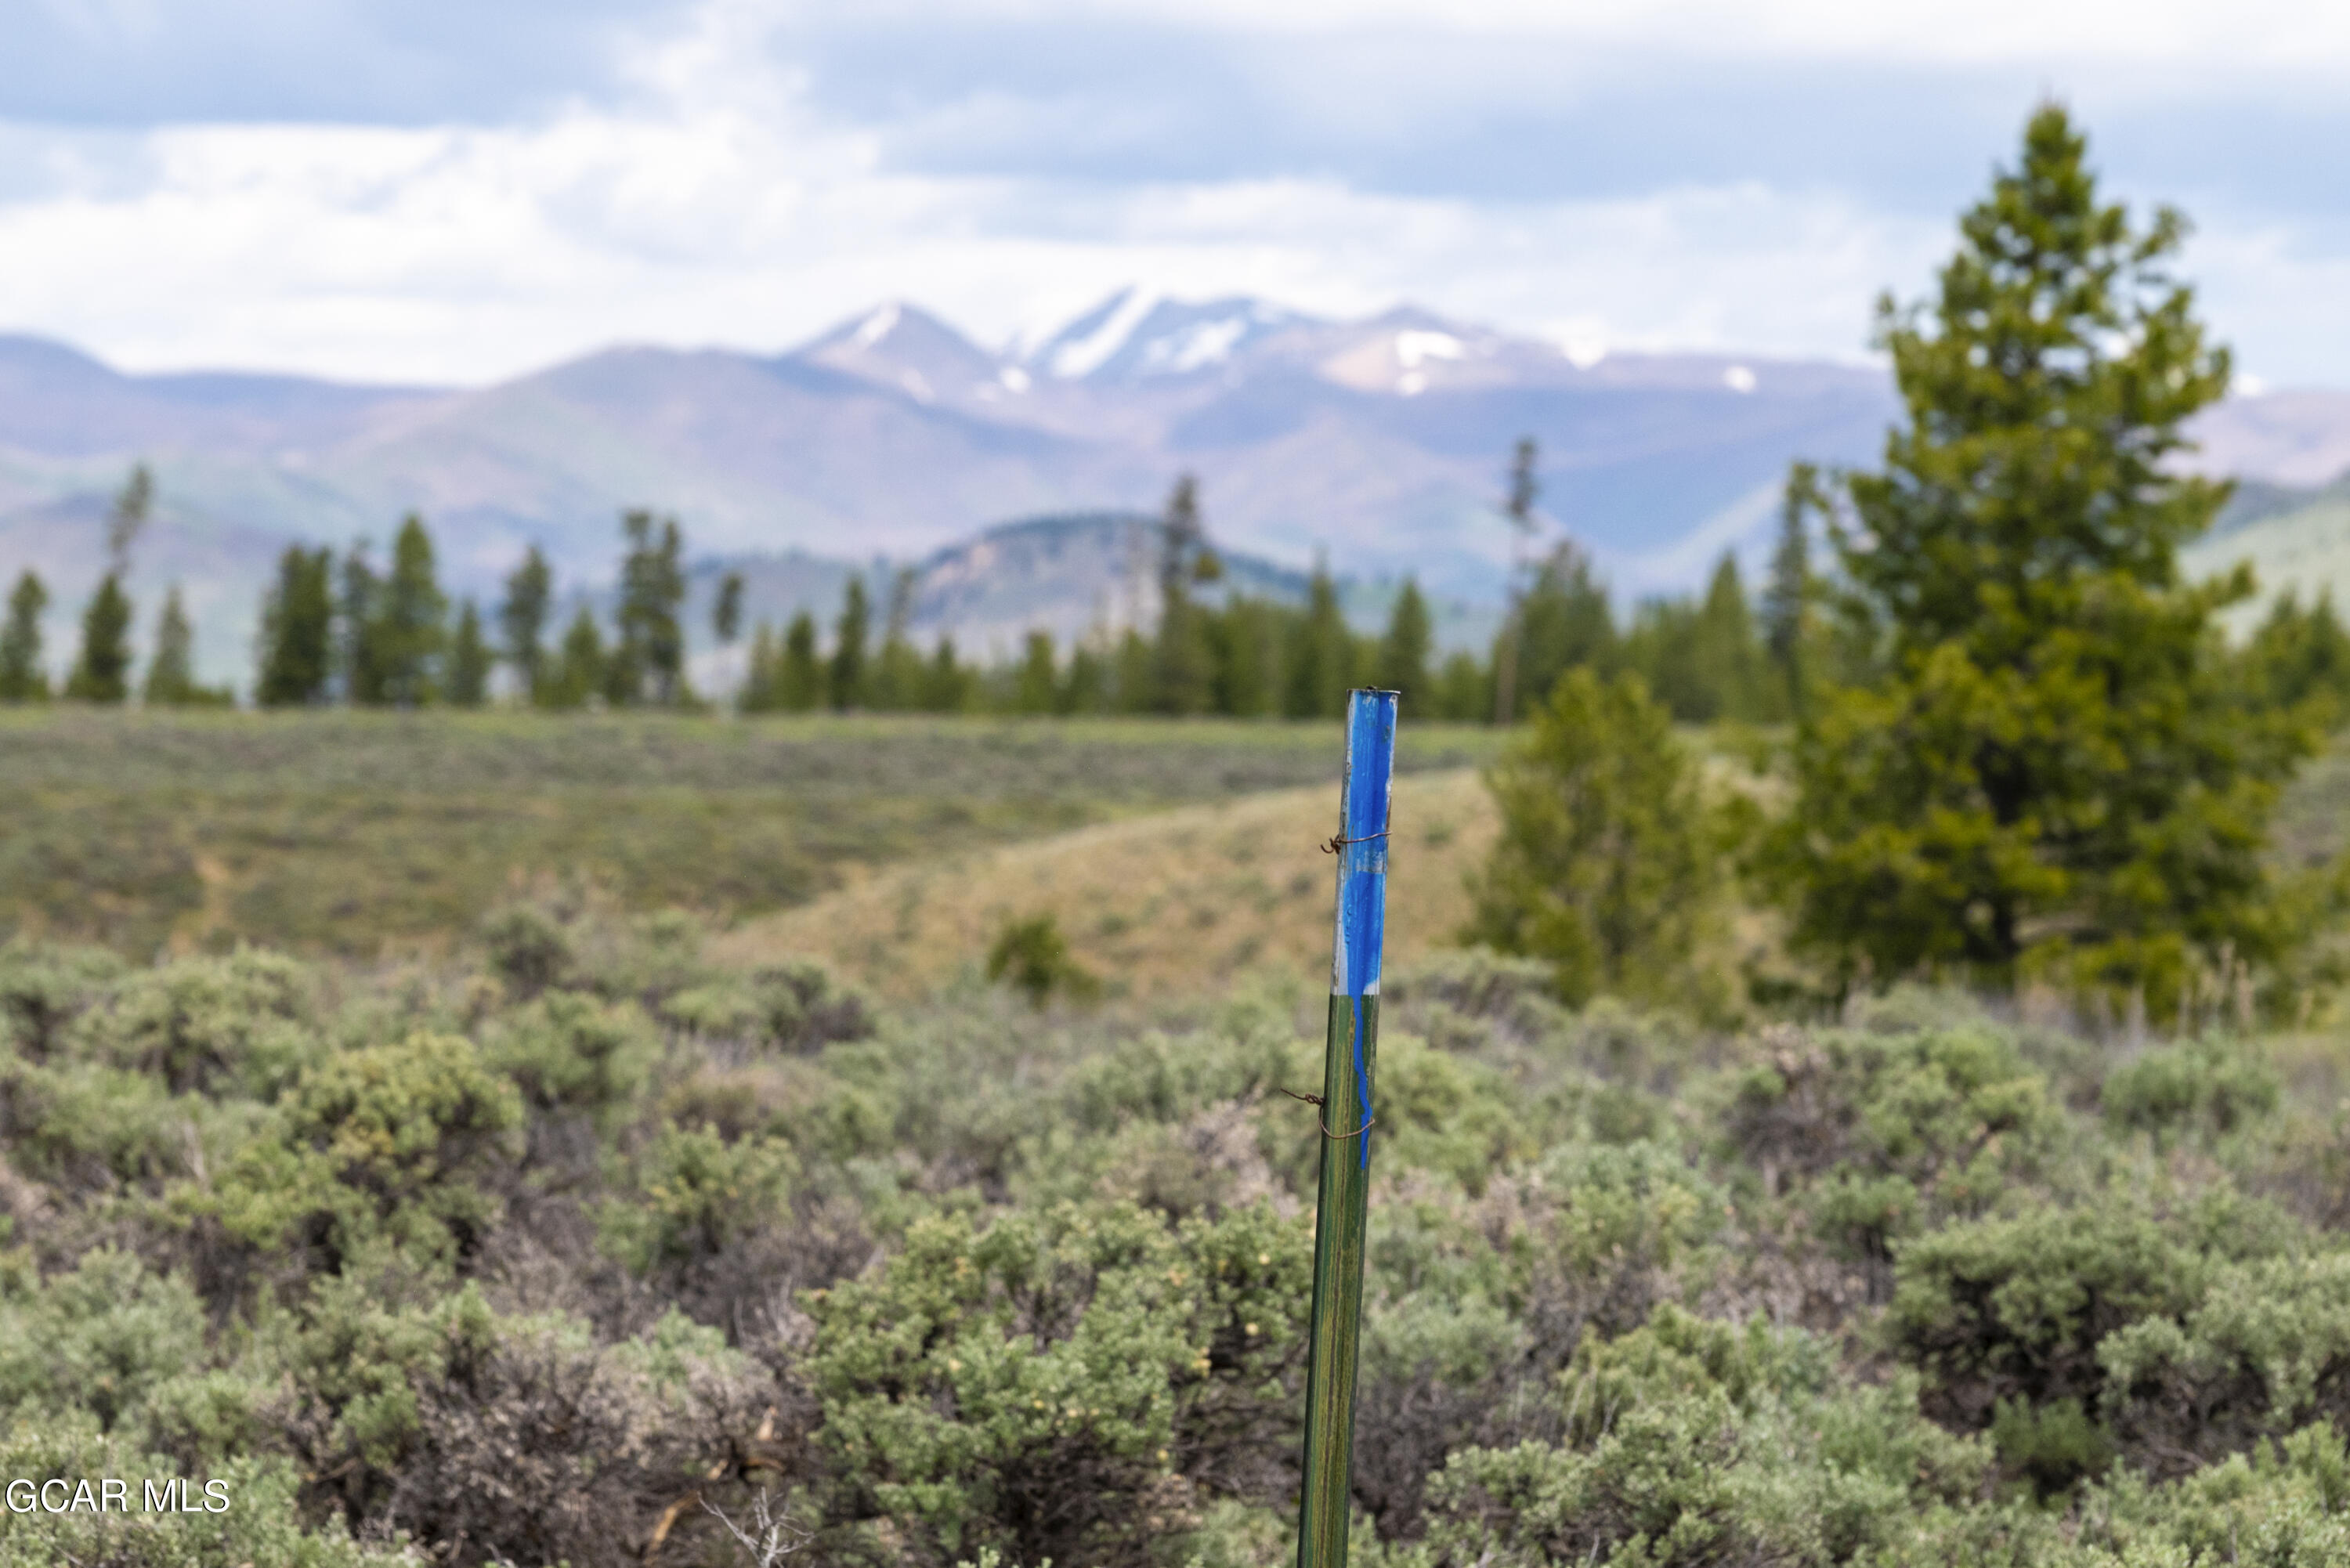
346, 628
102, 670
2022, 750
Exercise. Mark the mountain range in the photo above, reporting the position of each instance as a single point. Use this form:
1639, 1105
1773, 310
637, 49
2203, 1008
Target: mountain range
1377, 444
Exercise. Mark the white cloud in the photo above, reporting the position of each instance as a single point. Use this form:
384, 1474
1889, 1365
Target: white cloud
716, 206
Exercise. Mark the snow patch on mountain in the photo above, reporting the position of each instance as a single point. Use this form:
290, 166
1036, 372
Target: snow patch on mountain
1087, 344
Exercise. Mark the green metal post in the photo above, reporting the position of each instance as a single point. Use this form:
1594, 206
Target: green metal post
1349, 1055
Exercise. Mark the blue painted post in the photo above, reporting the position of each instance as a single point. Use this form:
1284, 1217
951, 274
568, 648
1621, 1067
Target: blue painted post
1350, 1054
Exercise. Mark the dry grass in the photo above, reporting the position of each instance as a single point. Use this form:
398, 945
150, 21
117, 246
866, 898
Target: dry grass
1156, 905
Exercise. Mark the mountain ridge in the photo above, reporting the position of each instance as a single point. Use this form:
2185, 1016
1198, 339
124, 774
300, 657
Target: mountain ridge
1379, 444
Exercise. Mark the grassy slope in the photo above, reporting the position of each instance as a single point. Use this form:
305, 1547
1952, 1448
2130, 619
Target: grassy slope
2305, 551
1158, 905
350, 832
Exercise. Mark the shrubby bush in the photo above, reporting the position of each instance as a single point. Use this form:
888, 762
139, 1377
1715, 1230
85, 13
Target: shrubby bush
528, 1262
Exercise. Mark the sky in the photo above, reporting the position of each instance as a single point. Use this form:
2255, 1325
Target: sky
448, 191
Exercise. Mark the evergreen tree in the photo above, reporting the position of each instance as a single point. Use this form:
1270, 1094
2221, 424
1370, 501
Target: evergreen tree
1184, 676
898, 676
1729, 654
1134, 685
647, 661
298, 629
132, 505
1404, 650
802, 682
844, 680
1662, 648
1245, 643
2300, 660
1518, 506
1321, 662
171, 667
580, 665
762, 681
522, 620
467, 678
411, 620
726, 612
1036, 685
22, 678
357, 608
1086, 689
1563, 621
1464, 691
1787, 603
2050, 777
1608, 862
947, 687
102, 673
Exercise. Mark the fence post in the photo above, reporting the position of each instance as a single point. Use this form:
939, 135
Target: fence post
1349, 1053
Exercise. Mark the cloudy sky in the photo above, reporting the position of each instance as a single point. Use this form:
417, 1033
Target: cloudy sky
450, 191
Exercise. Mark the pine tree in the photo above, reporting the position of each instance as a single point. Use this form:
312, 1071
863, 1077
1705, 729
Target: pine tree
1244, 642
1036, 685
2051, 777
1464, 689
1134, 674
1518, 506
1787, 603
579, 669
947, 687
1608, 862
411, 620
1086, 689
1320, 666
647, 661
801, 684
170, 668
355, 609
898, 675
844, 680
22, 678
763, 677
1729, 655
1184, 674
1404, 650
1662, 648
297, 650
726, 611
522, 620
1563, 622
102, 673
466, 678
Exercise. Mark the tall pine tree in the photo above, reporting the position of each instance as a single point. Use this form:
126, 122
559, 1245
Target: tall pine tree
172, 668
1404, 650
845, 679
298, 629
411, 620
22, 677
2050, 778
102, 673
522, 621
800, 683
466, 677
647, 661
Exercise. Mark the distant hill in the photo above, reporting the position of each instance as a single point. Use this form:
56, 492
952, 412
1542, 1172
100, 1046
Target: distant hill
1379, 444
2298, 541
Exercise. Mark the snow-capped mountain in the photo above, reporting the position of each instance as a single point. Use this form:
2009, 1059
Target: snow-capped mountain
1378, 443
